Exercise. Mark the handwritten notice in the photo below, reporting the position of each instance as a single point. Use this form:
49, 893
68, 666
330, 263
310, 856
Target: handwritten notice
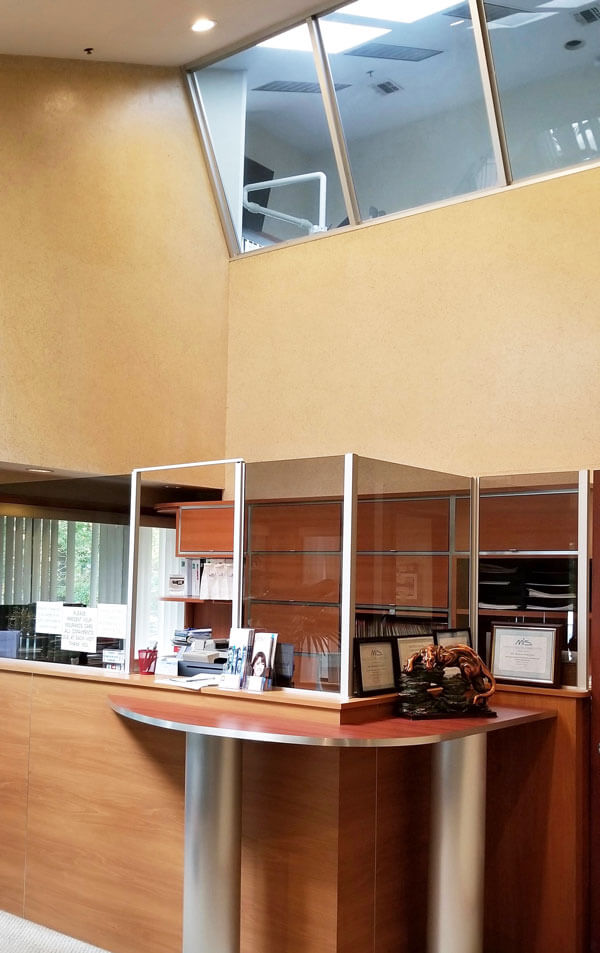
49, 618
112, 621
79, 630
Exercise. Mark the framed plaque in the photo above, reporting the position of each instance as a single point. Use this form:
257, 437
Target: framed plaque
376, 663
525, 653
450, 637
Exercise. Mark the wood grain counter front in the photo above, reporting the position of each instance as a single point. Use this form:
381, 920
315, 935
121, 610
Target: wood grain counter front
92, 821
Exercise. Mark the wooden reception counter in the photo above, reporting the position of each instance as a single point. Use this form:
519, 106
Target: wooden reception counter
335, 838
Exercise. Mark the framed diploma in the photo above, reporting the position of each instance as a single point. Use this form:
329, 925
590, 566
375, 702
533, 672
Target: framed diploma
376, 664
453, 637
409, 644
525, 653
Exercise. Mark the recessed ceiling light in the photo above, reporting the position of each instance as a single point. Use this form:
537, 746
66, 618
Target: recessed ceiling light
337, 37
399, 11
38, 470
203, 25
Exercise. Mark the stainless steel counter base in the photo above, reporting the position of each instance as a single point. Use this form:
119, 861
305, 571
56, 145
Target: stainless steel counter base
212, 853
457, 852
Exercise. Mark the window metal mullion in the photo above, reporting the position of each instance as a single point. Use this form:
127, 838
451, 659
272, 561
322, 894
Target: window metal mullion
231, 237
491, 93
334, 122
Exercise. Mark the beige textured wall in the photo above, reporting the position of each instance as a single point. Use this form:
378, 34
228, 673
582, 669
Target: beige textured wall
113, 271
465, 339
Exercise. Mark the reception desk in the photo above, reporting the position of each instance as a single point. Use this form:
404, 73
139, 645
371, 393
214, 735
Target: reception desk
335, 839
211, 910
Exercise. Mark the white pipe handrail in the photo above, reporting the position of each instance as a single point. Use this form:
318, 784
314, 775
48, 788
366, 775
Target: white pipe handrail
283, 216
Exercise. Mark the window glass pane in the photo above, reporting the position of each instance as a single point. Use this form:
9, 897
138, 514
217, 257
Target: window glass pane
546, 63
265, 114
47, 564
411, 104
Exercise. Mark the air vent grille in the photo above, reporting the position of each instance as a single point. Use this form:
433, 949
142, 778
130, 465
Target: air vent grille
384, 51
386, 87
283, 86
589, 15
493, 11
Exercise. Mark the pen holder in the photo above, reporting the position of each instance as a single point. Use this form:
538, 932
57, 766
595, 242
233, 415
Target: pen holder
147, 659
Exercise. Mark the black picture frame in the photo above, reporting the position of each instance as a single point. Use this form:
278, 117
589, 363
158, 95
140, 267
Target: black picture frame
525, 654
376, 666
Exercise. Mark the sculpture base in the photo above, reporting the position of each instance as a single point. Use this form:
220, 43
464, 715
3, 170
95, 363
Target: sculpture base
476, 711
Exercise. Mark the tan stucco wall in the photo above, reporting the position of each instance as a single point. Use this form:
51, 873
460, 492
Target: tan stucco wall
465, 338
113, 271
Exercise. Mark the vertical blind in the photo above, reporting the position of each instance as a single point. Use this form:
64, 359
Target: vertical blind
62, 560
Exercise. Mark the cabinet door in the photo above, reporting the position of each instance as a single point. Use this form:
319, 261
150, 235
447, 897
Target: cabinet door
205, 529
528, 522
403, 526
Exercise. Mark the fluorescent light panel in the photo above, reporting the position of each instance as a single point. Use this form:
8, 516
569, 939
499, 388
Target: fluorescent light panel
519, 19
337, 37
397, 11
561, 4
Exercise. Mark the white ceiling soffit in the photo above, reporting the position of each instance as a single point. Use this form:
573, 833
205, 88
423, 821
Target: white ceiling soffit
153, 32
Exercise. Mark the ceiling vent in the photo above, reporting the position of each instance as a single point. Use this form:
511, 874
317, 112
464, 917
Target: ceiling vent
282, 86
384, 51
386, 87
589, 15
493, 11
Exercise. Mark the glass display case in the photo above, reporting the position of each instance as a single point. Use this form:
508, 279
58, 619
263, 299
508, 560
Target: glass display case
347, 547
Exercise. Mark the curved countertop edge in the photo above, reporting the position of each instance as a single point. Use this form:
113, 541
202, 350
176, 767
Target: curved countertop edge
284, 731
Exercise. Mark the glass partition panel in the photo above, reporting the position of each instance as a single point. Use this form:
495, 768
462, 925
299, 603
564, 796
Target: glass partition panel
184, 565
531, 554
547, 72
412, 553
411, 105
269, 133
293, 568
64, 543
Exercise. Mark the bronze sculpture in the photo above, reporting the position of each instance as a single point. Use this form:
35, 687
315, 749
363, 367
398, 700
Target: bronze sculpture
428, 690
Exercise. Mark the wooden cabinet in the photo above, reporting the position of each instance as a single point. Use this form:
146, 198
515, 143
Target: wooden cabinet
528, 567
293, 583
204, 530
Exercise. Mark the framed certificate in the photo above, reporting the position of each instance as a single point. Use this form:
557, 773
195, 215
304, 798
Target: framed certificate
409, 644
376, 662
525, 653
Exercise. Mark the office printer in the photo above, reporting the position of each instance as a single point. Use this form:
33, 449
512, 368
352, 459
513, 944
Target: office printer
202, 655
